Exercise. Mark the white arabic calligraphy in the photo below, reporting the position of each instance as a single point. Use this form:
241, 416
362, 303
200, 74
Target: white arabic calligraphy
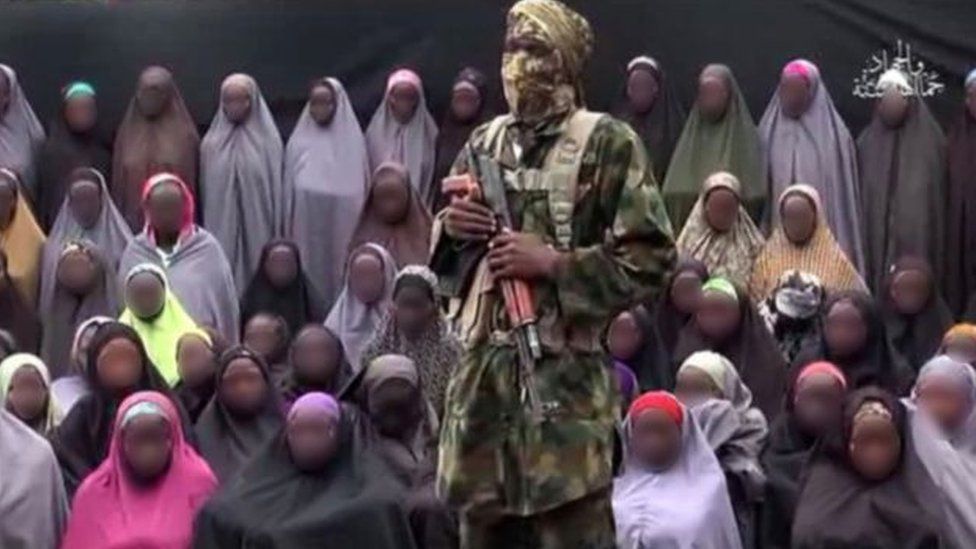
924, 82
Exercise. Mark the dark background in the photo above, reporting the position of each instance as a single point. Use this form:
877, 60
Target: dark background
286, 44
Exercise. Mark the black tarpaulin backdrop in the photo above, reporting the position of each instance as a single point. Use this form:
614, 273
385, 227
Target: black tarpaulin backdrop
286, 44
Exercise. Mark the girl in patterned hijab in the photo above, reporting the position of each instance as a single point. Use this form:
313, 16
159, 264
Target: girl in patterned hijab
720, 232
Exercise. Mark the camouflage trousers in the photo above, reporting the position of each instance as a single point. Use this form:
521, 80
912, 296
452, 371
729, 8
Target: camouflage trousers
583, 524
496, 460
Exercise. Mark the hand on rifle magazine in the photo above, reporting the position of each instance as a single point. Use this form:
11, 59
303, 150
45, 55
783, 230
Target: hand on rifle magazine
465, 219
522, 255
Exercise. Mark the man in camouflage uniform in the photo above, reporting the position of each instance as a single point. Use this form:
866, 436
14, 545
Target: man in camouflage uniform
592, 237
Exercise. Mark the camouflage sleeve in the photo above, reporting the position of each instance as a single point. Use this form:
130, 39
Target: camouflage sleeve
637, 248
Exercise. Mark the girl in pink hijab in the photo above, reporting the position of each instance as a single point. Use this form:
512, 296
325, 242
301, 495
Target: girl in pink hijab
149, 489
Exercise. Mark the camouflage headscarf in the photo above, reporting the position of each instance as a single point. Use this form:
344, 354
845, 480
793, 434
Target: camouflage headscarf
541, 85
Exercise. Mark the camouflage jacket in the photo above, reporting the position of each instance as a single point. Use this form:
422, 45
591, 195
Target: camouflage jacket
493, 457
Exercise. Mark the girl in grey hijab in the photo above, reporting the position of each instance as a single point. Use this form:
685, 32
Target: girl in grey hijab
403, 130
83, 287
944, 427
806, 141
326, 178
735, 429
87, 213
240, 176
359, 311
21, 133
34, 506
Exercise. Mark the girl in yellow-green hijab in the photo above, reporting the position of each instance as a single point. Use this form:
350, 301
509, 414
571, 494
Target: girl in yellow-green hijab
157, 316
25, 391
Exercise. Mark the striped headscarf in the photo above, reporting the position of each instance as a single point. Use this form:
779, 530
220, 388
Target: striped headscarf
820, 256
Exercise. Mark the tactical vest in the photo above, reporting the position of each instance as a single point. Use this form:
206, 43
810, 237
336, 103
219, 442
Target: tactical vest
559, 177
559, 174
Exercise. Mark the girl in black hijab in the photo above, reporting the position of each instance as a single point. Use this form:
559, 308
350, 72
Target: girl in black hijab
812, 404
73, 142
853, 338
865, 488
117, 367
316, 363
281, 286
676, 304
726, 322
468, 109
312, 484
243, 415
916, 317
652, 109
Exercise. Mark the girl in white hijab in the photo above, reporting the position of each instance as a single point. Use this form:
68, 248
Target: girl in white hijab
403, 130
240, 176
359, 311
326, 177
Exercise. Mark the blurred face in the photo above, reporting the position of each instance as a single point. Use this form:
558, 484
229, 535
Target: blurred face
961, 348
413, 310
312, 441
166, 208
817, 403
721, 209
263, 334
642, 90
281, 266
403, 100
799, 219
28, 395
910, 291
944, 402
391, 196
874, 447
694, 385
147, 447
845, 330
366, 278
145, 295
893, 109
316, 356
718, 316
713, 97
794, 95
76, 272
655, 440
119, 366
4, 93
465, 103
195, 361
322, 104
235, 99
85, 202
243, 388
624, 338
154, 92
970, 100
80, 113
686, 292
394, 407
8, 202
